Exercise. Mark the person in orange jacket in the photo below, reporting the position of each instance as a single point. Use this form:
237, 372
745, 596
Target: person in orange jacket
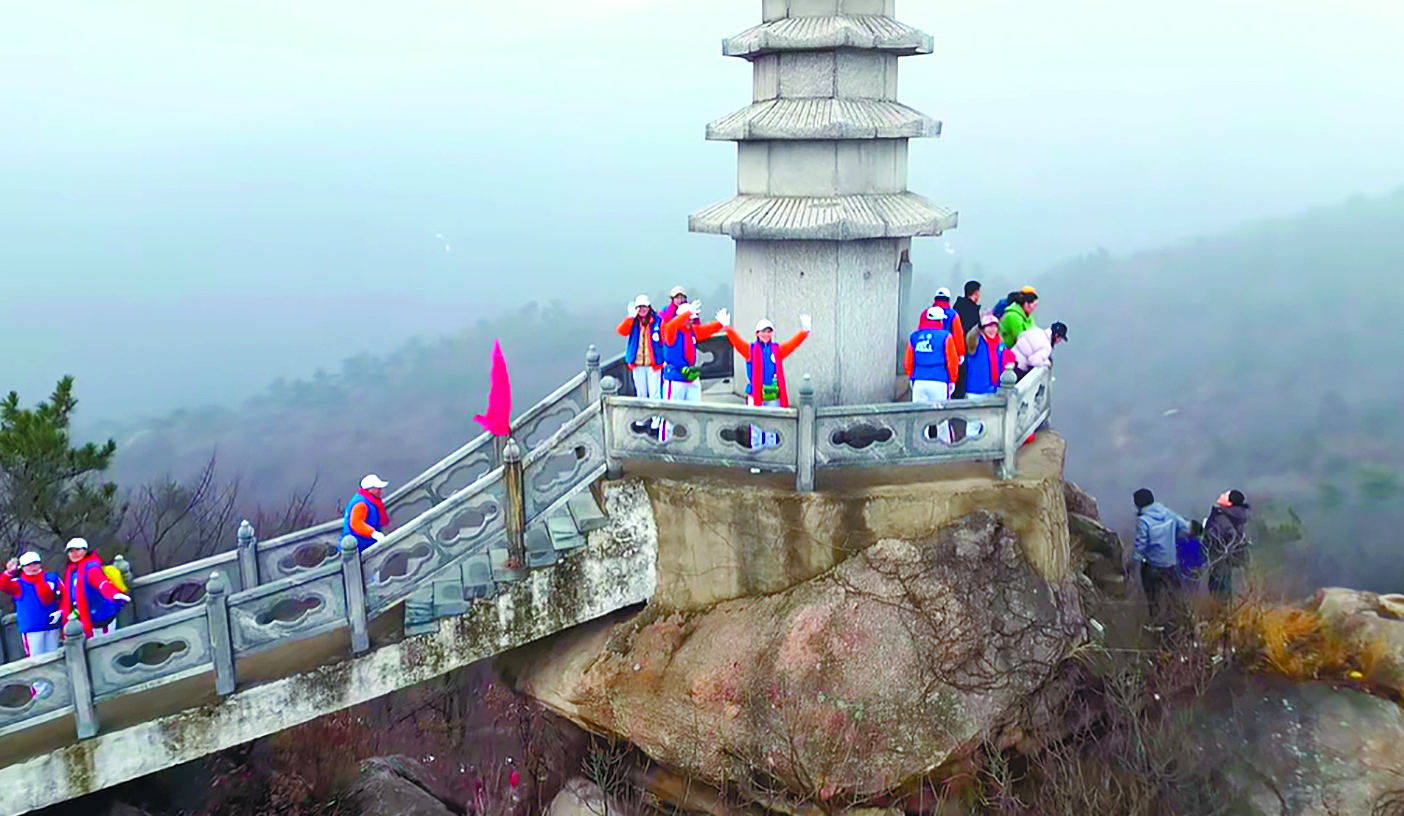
933, 362
643, 353
680, 338
765, 370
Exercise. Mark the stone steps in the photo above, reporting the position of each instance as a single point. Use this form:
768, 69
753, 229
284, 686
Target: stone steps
480, 576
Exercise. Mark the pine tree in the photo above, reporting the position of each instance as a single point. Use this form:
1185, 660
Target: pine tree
51, 491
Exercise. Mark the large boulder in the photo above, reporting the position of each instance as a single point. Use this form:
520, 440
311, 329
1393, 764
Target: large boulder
849, 684
1372, 627
1305, 749
398, 786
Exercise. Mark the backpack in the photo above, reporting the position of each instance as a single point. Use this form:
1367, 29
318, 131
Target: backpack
1000, 307
115, 576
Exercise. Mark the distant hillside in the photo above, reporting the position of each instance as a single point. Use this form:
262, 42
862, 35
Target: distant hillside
1264, 358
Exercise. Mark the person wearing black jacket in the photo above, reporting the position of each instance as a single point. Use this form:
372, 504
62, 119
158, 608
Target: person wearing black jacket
968, 307
1226, 541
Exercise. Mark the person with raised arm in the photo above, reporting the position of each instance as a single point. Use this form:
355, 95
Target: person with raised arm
765, 362
38, 596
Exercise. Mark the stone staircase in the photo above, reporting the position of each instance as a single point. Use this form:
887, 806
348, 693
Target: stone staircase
480, 576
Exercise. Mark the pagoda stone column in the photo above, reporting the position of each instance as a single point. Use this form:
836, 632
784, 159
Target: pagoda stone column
823, 220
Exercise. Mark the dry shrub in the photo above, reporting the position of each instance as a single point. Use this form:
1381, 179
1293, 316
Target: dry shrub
1272, 637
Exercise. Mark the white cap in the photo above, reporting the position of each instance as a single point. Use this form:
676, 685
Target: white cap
373, 481
29, 558
763, 325
677, 290
943, 292
642, 300
77, 544
935, 313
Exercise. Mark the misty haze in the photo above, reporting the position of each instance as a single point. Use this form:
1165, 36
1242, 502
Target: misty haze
274, 242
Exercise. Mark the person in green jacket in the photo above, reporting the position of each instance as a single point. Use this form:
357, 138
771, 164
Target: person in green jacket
1018, 318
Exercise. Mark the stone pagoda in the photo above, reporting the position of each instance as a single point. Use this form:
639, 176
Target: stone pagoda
822, 219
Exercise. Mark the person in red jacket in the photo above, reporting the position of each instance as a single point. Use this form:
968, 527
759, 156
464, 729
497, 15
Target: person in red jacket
88, 593
36, 595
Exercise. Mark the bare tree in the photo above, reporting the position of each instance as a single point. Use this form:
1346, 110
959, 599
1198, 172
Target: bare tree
170, 523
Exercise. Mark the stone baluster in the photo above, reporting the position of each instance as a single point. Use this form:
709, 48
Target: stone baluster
126, 616
221, 638
248, 555
354, 580
1007, 382
516, 501
804, 450
592, 374
609, 388
75, 655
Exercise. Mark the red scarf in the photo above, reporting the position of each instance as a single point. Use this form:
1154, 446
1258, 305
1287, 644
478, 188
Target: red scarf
79, 590
758, 374
377, 504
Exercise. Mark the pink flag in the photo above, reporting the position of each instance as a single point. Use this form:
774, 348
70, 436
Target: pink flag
498, 420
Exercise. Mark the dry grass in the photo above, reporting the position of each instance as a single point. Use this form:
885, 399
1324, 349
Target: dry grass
1272, 637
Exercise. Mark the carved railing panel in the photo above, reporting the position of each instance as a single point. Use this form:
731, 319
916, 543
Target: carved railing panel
292, 609
704, 434
181, 588
574, 455
1035, 396
34, 690
908, 434
149, 653
469, 522
294, 554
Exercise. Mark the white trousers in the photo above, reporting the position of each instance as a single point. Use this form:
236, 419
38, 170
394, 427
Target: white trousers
765, 439
678, 392
931, 392
648, 382
40, 643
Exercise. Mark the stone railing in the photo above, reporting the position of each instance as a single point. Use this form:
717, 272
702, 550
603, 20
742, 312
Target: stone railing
478, 530
475, 534
804, 439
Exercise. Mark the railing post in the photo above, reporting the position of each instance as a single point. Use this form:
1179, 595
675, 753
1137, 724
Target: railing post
248, 555
221, 639
592, 374
126, 616
516, 501
355, 583
1007, 382
609, 388
75, 655
804, 451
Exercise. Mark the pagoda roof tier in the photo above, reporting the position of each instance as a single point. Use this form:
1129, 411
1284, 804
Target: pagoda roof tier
783, 119
869, 32
835, 218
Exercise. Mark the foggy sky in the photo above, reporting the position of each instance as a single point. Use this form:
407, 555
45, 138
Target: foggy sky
196, 198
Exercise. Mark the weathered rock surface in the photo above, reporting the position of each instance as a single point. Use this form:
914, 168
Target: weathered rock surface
1096, 549
1373, 625
581, 797
847, 684
397, 786
1306, 749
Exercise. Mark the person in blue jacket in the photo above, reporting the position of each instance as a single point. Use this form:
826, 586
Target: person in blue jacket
365, 517
37, 594
1158, 528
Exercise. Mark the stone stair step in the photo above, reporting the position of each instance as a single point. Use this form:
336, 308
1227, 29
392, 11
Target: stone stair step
539, 550
477, 577
564, 535
448, 597
587, 514
419, 613
500, 571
